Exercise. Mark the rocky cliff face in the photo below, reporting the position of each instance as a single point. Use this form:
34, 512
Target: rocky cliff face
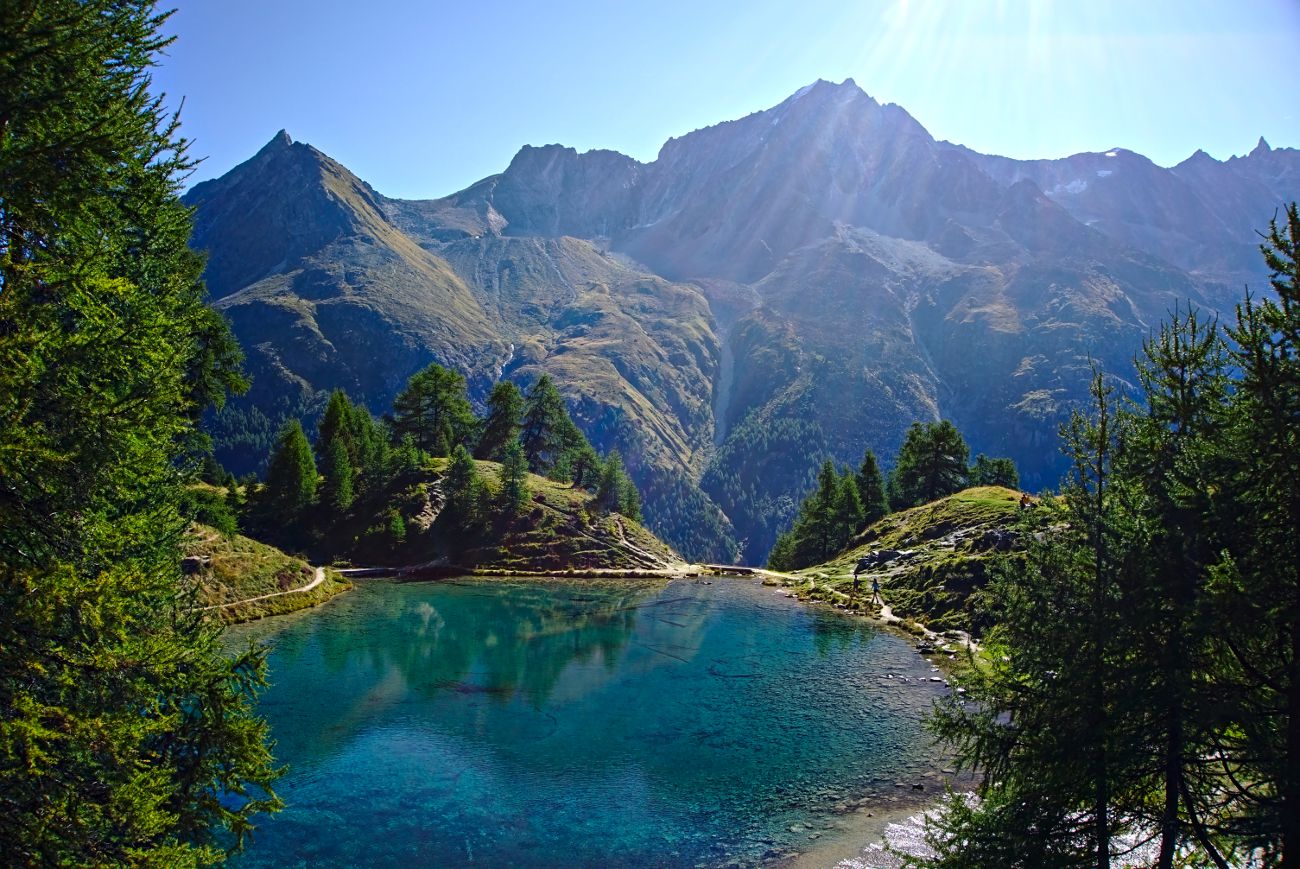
800, 283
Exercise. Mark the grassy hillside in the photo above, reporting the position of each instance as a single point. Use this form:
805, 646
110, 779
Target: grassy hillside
560, 530
946, 546
232, 570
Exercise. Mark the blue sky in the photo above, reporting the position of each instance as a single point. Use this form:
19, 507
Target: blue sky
423, 98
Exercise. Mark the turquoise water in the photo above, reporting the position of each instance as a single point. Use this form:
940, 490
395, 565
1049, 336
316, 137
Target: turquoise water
525, 724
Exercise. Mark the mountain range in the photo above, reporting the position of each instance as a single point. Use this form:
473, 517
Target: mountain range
798, 284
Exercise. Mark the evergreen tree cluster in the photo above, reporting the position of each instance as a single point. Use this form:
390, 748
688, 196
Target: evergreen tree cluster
359, 460
127, 734
1142, 682
931, 464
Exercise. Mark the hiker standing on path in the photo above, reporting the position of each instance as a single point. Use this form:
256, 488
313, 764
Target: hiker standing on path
875, 591
863, 564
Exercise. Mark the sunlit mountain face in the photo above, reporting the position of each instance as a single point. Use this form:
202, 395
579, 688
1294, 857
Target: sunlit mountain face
797, 284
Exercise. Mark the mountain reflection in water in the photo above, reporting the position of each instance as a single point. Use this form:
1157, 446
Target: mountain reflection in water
581, 724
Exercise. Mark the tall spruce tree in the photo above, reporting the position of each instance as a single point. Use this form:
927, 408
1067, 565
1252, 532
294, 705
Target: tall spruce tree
1054, 724
848, 516
336, 423
825, 522
542, 433
549, 436
128, 732
1172, 461
336, 487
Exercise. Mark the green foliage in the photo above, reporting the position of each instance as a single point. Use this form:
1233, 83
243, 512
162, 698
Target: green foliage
583, 466
761, 473
395, 527
290, 476
615, 490
127, 732
1143, 671
502, 426
434, 410
871, 490
514, 495
336, 488
994, 472
827, 520
464, 491
548, 435
931, 463
208, 507
1260, 583
336, 425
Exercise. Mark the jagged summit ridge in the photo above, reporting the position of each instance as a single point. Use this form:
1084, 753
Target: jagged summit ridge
795, 284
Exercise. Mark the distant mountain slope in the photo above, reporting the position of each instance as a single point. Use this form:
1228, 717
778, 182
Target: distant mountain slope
797, 284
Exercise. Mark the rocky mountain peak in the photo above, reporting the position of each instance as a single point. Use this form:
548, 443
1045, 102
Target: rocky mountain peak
280, 140
1261, 148
1200, 158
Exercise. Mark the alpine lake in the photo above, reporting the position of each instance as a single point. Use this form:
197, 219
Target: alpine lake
523, 723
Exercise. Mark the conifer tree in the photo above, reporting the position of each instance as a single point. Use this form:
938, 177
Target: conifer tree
464, 490
848, 515
584, 466
127, 730
609, 491
994, 472
372, 458
502, 426
514, 479
871, 490
629, 502
931, 463
291, 476
1260, 585
434, 410
543, 427
336, 488
1054, 726
336, 424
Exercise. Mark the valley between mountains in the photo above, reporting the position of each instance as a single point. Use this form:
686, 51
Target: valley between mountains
795, 285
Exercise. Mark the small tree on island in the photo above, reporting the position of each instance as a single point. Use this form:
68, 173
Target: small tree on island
434, 410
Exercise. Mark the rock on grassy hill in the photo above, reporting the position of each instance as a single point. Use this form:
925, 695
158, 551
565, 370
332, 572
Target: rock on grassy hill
933, 560
240, 579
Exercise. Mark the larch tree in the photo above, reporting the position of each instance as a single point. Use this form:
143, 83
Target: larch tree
434, 410
502, 425
514, 495
128, 732
871, 489
931, 463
